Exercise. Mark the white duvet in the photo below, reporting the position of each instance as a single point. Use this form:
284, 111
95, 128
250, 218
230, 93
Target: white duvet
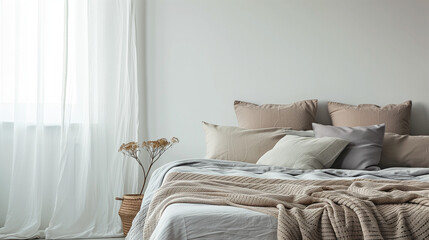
201, 221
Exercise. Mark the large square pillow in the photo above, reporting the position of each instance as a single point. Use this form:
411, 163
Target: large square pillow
364, 149
304, 152
240, 144
298, 115
396, 117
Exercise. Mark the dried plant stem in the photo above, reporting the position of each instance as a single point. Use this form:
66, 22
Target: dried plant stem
145, 178
154, 157
142, 167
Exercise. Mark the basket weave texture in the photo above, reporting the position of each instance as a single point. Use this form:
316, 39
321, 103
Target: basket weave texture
129, 208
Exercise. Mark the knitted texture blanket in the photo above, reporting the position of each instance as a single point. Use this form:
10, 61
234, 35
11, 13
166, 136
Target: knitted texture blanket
308, 209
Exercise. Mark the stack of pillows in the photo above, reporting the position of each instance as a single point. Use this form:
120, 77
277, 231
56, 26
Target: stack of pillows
363, 137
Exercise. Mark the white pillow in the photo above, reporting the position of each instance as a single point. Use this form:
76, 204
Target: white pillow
304, 152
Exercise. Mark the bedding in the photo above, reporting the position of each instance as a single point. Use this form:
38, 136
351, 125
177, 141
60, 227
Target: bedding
193, 220
311, 209
304, 152
395, 116
364, 149
298, 115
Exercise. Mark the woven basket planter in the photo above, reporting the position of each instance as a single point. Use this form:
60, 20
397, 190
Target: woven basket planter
129, 208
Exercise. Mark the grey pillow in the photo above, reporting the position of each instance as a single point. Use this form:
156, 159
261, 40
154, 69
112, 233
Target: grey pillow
364, 149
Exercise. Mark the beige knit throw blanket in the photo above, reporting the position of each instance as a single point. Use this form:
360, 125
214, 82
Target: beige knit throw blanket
308, 209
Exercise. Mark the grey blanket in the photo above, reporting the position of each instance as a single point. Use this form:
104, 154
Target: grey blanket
221, 167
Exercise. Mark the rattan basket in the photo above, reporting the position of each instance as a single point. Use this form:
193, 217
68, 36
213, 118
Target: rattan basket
129, 208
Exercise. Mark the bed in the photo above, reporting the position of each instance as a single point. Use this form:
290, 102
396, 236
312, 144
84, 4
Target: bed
273, 178
207, 221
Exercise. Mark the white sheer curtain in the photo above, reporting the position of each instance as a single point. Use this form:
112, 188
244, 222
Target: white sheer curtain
68, 98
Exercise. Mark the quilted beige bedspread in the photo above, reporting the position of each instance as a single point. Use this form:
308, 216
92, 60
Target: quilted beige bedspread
308, 209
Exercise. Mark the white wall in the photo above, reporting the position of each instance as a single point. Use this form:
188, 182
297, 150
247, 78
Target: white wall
202, 55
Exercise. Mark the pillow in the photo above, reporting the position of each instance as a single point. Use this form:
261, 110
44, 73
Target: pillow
239, 144
304, 152
297, 116
396, 117
364, 149
405, 151
306, 133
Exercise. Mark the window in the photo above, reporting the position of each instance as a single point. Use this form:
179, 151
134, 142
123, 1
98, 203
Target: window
32, 61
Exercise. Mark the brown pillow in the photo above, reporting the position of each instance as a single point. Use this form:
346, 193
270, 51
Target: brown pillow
396, 117
405, 151
239, 144
297, 116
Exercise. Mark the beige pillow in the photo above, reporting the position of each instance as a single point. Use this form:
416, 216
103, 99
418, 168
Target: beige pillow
297, 116
239, 144
396, 117
304, 152
405, 151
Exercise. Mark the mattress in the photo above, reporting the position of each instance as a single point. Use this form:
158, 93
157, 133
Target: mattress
202, 221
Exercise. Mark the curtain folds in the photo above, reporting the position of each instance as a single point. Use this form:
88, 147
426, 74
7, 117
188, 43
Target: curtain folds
68, 99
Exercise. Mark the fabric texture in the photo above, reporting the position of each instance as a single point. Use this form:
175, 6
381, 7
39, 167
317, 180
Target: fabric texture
304, 152
298, 115
405, 151
200, 221
364, 149
71, 99
307, 133
309, 209
396, 117
239, 144
170, 227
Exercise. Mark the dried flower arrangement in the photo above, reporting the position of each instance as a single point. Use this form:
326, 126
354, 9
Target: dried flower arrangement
155, 149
